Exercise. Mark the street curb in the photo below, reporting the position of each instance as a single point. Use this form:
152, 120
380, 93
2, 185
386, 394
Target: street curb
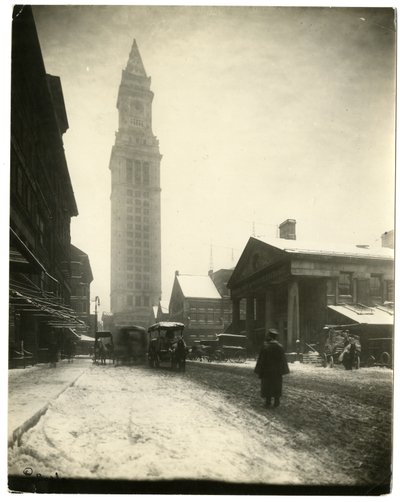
17, 433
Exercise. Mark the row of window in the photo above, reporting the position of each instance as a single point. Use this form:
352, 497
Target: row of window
137, 171
346, 286
138, 301
138, 195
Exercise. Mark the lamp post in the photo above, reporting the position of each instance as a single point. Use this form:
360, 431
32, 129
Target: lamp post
96, 304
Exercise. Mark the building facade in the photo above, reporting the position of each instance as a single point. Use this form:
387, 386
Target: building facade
298, 287
42, 201
199, 305
135, 201
81, 277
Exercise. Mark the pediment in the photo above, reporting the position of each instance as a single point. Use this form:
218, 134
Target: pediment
256, 256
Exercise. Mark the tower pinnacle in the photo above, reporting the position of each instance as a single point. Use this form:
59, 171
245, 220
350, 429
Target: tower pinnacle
135, 63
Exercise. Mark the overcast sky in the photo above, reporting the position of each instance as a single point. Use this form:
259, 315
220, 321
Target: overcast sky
262, 114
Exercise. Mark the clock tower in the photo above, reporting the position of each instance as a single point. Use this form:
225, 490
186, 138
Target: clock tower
135, 201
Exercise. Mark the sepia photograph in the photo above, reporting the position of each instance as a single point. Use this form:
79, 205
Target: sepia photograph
201, 249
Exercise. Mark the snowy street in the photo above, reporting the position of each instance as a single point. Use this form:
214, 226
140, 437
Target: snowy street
209, 423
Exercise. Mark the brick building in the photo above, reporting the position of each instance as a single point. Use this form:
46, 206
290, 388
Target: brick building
81, 277
202, 303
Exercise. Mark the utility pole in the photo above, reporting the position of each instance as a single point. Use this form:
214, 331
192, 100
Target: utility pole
96, 303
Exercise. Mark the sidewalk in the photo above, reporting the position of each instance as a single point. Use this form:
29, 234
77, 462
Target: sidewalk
31, 390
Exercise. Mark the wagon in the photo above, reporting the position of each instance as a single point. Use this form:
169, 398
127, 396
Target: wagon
103, 347
336, 344
167, 345
379, 351
130, 344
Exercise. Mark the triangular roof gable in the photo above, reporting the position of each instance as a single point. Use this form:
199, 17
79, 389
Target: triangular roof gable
176, 290
256, 256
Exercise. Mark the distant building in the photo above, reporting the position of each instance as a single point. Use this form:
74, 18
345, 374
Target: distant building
108, 321
135, 201
81, 277
298, 287
42, 202
196, 302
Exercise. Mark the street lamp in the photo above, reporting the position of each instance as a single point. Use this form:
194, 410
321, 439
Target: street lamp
96, 304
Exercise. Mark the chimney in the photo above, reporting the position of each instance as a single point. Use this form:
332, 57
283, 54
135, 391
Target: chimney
287, 230
176, 273
210, 273
388, 239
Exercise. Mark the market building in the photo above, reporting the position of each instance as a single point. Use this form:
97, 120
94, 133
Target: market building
42, 204
298, 287
135, 201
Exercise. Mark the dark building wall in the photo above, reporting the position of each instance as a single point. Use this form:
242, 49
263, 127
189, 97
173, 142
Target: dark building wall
41, 196
42, 200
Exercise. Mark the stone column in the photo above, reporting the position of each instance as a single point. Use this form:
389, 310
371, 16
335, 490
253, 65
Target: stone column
250, 318
268, 310
260, 311
236, 314
293, 318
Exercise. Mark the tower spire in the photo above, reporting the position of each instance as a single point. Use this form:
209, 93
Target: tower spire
135, 63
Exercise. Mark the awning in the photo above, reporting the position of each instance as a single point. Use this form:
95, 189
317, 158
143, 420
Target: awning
48, 308
85, 338
23, 259
365, 315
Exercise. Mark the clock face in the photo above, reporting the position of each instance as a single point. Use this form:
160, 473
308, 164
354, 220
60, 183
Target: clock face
138, 107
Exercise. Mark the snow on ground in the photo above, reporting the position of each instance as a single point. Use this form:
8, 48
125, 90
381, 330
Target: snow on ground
135, 423
140, 424
32, 388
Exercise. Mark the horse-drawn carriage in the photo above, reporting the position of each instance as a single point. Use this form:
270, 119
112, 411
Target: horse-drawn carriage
339, 346
167, 345
103, 347
130, 344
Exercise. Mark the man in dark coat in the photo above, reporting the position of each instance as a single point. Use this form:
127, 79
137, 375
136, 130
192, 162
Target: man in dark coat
270, 367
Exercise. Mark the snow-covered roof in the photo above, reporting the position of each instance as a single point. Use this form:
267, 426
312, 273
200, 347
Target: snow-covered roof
330, 249
367, 315
198, 286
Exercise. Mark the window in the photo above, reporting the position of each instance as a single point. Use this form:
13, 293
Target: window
146, 175
375, 285
129, 300
345, 284
146, 301
138, 301
138, 173
129, 171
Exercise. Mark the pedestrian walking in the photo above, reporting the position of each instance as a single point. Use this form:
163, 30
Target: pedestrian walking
271, 366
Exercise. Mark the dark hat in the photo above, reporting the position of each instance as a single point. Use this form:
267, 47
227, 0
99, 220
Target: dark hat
274, 333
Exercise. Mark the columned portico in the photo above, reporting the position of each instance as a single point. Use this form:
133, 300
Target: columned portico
250, 318
236, 312
293, 319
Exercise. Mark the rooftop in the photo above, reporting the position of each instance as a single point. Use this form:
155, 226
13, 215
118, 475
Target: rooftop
330, 249
198, 286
